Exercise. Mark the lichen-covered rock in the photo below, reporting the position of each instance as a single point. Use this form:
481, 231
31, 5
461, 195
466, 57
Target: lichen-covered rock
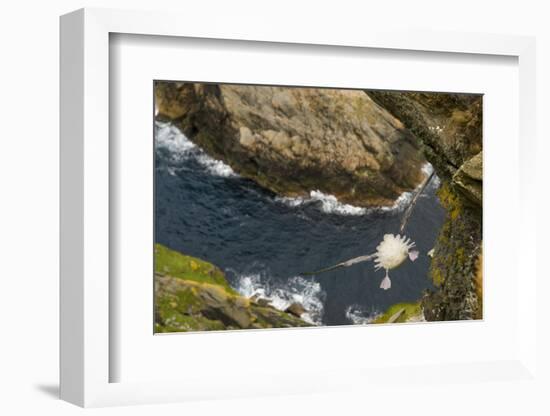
450, 128
449, 125
193, 295
454, 268
401, 312
295, 140
468, 179
296, 309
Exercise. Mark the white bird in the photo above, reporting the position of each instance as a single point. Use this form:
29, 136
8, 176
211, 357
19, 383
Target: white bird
392, 251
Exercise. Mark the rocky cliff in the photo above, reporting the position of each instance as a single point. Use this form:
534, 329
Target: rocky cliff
193, 295
295, 140
364, 147
450, 129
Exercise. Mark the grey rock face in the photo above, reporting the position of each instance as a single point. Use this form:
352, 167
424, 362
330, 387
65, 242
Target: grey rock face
295, 140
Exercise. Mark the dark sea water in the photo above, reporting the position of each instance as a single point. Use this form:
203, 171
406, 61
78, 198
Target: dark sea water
263, 242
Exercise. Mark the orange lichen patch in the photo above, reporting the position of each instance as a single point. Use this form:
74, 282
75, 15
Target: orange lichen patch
450, 201
478, 281
437, 277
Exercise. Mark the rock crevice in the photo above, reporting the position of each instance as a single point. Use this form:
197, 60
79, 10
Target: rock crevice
450, 129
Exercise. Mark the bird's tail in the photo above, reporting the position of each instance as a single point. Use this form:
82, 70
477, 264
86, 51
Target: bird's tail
386, 283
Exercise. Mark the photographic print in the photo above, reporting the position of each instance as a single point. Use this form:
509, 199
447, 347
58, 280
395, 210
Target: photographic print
287, 206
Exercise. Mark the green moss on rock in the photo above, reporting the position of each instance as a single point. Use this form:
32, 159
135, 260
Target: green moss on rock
411, 311
454, 264
175, 264
450, 129
193, 295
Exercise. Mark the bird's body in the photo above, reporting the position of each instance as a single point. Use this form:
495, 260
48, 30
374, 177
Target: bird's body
393, 250
391, 253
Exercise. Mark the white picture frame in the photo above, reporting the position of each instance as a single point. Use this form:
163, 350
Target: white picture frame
86, 356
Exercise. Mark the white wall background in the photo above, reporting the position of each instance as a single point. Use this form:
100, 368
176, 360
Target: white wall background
29, 57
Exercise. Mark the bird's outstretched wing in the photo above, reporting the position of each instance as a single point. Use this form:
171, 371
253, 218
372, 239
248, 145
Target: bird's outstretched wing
346, 263
411, 205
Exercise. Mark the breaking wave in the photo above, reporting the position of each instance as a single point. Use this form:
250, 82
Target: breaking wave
281, 295
359, 316
181, 148
329, 204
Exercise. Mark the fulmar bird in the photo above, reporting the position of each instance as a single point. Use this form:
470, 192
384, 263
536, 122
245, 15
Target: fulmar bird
392, 251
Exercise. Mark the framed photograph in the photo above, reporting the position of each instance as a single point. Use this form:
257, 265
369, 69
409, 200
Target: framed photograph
278, 213
271, 201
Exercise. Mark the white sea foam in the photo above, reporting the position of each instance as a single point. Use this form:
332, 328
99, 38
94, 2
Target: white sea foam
400, 203
171, 171
181, 148
306, 292
359, 316
329, 203
427, 169
170, 138
215, 167
406, 197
